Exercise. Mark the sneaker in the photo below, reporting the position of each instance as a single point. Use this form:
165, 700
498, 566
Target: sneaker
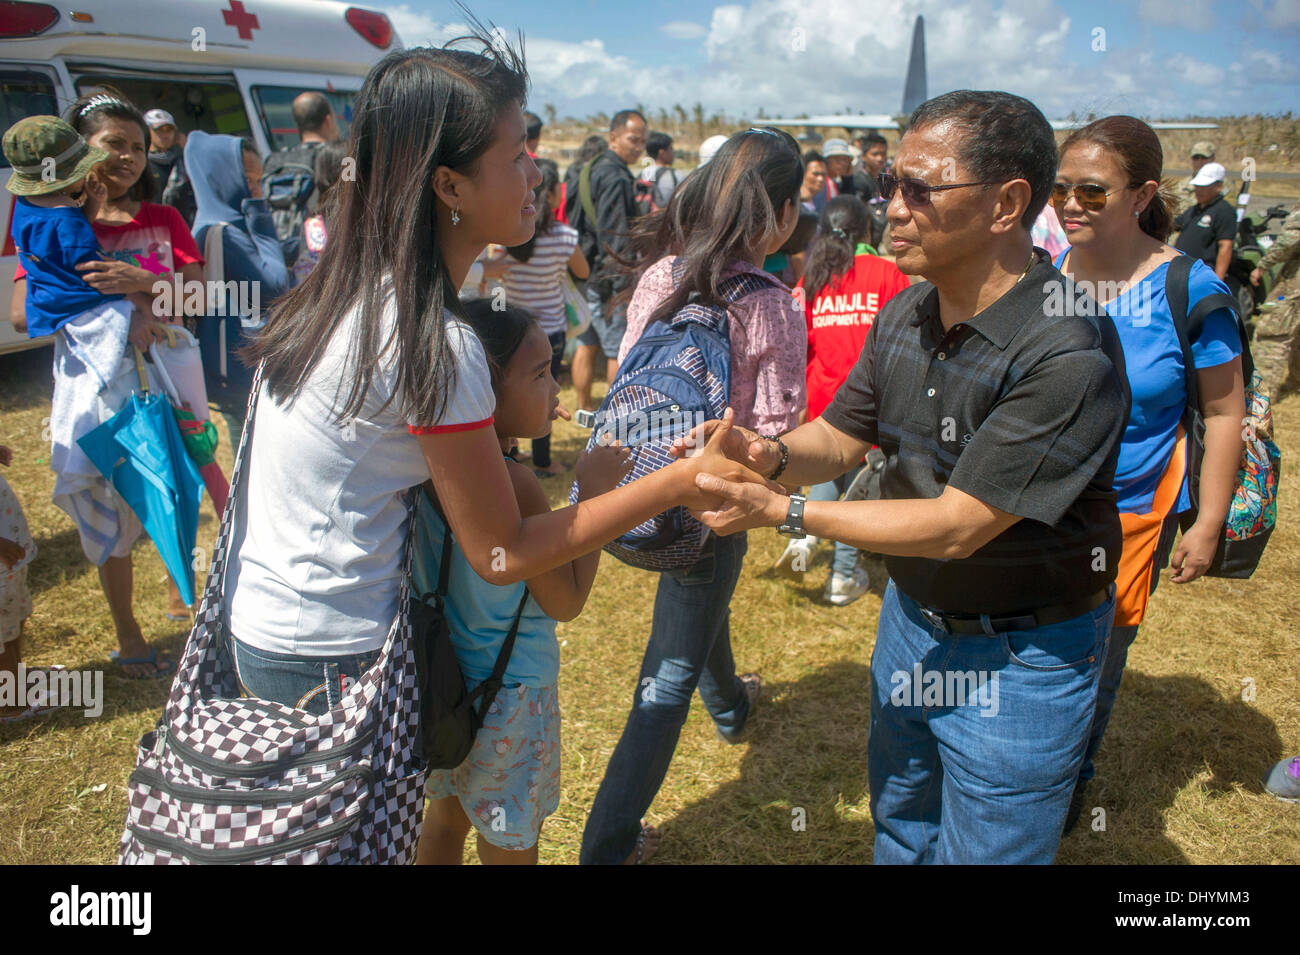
1283, 780
753, 684
841, 591
796, 558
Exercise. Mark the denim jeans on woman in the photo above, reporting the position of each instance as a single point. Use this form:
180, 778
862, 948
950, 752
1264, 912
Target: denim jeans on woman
690, 645
313, 684
988, 780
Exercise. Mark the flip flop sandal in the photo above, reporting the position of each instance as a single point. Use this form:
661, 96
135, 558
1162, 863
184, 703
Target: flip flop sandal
151, 660
26, 714
641, 857
753, 684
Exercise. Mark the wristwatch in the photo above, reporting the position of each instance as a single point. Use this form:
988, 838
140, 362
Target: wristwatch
793, 526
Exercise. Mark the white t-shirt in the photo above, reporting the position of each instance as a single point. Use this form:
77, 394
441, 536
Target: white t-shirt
535, 284
317, 546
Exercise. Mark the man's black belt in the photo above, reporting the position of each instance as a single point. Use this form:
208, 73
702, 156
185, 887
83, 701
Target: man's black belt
972, 623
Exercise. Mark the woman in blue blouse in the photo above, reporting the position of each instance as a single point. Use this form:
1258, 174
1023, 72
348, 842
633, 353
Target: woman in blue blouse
1116, 216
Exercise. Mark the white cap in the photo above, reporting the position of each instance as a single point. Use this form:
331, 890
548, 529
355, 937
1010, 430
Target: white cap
1210, 173
836, 147
709, 148
158, 117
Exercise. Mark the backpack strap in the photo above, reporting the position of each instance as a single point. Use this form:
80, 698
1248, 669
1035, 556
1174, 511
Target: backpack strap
489, 688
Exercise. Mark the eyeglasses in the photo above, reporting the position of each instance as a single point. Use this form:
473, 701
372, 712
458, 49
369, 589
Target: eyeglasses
1090, 196
916, 192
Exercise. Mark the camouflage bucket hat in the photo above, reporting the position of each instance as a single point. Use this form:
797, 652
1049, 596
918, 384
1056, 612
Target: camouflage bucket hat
47, 155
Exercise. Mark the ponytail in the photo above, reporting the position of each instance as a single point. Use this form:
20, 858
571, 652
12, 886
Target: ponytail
1157, 219
844, 224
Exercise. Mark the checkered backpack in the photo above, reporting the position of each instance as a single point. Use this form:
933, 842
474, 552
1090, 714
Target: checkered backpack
230, 780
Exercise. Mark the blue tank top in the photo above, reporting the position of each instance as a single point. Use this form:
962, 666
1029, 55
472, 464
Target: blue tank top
479, 614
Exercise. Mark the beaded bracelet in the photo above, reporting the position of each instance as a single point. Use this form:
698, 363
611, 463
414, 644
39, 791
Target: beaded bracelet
785, 455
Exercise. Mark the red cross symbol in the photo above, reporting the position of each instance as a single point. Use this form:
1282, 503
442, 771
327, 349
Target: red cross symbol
240, 19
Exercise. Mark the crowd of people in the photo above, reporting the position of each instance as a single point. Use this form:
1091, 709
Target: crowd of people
1021, 470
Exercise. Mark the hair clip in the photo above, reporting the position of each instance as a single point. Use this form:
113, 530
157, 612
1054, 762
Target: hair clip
839, 233
97, 101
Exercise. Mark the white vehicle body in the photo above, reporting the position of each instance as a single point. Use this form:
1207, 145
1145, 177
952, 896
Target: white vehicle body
226, 66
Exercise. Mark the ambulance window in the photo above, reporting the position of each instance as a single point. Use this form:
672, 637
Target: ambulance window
275, 104
24, 94
213, 107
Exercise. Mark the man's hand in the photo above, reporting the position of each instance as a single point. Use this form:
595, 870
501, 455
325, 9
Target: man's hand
717, 457
1256, 275
740, 444
740, 506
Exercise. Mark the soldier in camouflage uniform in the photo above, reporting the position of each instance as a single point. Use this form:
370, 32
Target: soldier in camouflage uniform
1276, 348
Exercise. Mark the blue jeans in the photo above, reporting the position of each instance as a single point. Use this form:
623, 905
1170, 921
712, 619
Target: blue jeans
846, 555
1121, 638
690, 645
987, 778
313, 684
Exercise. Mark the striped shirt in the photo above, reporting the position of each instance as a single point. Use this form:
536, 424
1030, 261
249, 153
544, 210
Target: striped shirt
535, 284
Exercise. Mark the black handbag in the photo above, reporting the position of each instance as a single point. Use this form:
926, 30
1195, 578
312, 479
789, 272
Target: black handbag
450, 715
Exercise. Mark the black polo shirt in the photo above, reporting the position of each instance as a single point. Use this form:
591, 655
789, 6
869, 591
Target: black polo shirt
1203, 227
1022, 407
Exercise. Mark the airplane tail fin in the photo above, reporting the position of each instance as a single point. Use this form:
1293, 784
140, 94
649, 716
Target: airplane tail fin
914, 92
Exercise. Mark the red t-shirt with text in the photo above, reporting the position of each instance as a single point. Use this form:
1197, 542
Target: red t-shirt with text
838, 321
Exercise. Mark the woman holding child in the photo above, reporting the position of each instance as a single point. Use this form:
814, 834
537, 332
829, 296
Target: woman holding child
142, 243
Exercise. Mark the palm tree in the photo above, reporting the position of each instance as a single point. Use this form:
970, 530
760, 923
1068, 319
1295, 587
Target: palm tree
549, 110
698, 110
681, 117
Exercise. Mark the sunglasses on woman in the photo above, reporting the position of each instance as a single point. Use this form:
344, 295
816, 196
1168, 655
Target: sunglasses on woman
1090, 196
916, 192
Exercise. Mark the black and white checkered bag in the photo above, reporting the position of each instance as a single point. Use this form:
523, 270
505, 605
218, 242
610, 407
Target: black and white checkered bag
230, 780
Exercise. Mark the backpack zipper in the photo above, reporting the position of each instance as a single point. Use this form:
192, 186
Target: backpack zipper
216, 767
155, 779
176, 846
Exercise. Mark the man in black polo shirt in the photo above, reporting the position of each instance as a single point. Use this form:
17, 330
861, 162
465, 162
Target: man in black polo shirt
994, 392
1206, 229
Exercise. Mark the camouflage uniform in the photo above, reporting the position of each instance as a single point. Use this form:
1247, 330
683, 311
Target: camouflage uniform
1276, 348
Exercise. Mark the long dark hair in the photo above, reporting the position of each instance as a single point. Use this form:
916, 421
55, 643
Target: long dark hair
844, 224
418, 109
721, 213
501, 330
1137, 148
545, 214
87, 116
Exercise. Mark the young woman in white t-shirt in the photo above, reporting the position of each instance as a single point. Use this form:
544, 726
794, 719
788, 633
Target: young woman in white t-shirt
533, 273
372, 385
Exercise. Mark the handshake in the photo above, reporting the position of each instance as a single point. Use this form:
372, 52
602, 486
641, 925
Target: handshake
723, 470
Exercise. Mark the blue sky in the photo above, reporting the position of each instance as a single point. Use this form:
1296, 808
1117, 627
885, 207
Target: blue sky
1161, 59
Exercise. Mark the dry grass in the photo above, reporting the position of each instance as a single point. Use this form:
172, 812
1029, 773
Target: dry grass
1179, 776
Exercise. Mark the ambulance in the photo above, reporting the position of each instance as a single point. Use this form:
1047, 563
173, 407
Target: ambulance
223, 66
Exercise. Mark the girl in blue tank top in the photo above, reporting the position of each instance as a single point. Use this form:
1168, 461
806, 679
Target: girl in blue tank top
510, 782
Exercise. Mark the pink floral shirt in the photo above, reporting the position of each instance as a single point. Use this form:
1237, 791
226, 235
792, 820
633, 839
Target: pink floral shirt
769, 346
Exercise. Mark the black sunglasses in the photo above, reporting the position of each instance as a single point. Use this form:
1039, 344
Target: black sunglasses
916, 192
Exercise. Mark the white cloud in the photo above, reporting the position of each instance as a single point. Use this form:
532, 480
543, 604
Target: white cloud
684, 30
1192, 14
1187, 69
1282, 14
769, 54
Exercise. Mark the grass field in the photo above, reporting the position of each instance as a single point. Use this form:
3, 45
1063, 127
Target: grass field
1178, 778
